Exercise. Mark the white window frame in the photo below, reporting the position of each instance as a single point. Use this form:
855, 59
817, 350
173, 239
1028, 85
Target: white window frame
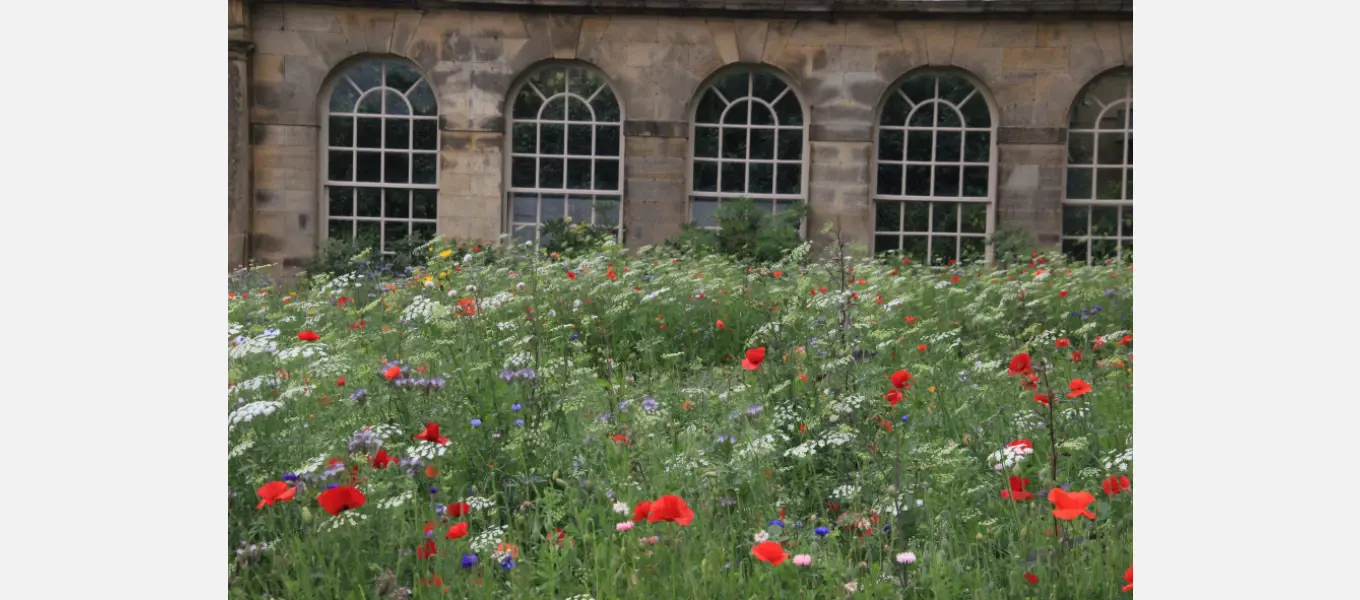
931, 200
1125, 165
342, 77
751, 100
508, 200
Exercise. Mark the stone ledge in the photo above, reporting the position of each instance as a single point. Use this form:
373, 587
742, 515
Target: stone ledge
810, 8
1031, 135
662, 129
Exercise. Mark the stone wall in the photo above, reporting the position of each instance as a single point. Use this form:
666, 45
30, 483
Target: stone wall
841, 69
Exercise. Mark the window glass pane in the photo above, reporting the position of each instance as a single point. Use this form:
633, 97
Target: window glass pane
424, 203
370, 202
397, 204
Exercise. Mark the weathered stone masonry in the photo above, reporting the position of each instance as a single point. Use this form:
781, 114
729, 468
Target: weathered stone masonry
1031, 58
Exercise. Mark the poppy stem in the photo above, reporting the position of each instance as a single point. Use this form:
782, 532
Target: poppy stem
1052, 440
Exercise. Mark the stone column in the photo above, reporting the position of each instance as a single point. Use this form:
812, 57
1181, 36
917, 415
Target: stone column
238, 134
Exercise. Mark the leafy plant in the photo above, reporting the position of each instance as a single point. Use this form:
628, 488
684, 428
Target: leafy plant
745, 232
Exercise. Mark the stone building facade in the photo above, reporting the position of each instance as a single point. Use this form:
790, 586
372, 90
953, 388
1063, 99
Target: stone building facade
923, 125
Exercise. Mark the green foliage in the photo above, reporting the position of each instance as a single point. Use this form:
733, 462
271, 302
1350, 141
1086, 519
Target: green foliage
571, 239
1009, 243
746, 232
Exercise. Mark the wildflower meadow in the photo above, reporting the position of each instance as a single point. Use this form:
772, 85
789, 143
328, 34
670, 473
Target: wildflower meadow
647, 424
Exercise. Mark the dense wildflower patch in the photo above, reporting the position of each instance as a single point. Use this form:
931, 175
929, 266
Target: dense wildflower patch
613, 425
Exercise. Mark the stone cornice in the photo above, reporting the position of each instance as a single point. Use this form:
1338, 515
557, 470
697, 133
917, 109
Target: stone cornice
239, 49
782, 8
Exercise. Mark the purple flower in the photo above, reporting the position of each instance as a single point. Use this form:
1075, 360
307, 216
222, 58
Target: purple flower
778, 522
290, 477
519, 422
515, 407
358, 394
754, 409
476, 422
906, 418
469, 561
821, 531
648, 403
331, 486
508, 563
434, 490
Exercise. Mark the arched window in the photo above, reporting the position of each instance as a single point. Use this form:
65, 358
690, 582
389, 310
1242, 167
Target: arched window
748, 142
566, 151
1097, 221
382, 155
936, 156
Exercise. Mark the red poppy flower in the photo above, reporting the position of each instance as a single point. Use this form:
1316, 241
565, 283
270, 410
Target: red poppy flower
339, 499
770, 552
1041, 399
671, 508
1126, 340
1063, 342
392, 372
340, 382
1076, 356
922, 348
893, 397
720, 325
1031, 578
431, 471
778, 273
1062, 294
382, 459
1113, 485
456, 531
274, 491
619, 437
1021, 445
754, 357
561, 535
1020, 363
1078, 388
309, 336
431, 434
641, 510
1030, 382
571, 275
1017, 490
1128, 576
901, 379
468, 305
427, 550
1070, 506
911, 319
458, 509
1100, 341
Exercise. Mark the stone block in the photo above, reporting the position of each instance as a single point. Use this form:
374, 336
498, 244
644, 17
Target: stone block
724, 39
1034, 60
301, 17
1009, 34
279, 42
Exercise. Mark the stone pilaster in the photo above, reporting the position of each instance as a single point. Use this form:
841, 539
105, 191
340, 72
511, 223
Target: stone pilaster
238, 134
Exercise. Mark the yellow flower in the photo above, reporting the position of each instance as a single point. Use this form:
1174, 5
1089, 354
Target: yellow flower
429, 278
446, 254
443, 274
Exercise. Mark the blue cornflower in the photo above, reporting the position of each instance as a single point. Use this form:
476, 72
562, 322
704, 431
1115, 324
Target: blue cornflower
648, 403
439, 509
886, 528
508, 563
290, 477
515, 407
358, 394
476, 422
778, 522
469, 561
723, 438
575, 335
331, 486
754, 409
905, 418
519, 422
821, 531
434, 490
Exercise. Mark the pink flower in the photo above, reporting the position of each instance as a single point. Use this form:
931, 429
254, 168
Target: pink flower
802, 560
906, 558
624, 526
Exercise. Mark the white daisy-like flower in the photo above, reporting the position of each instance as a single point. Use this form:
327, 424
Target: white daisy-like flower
621, 508
761, 536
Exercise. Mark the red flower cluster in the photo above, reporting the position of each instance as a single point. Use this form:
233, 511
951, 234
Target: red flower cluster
666, 508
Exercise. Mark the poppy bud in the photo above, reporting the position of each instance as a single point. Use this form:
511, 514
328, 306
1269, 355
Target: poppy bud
306, 516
